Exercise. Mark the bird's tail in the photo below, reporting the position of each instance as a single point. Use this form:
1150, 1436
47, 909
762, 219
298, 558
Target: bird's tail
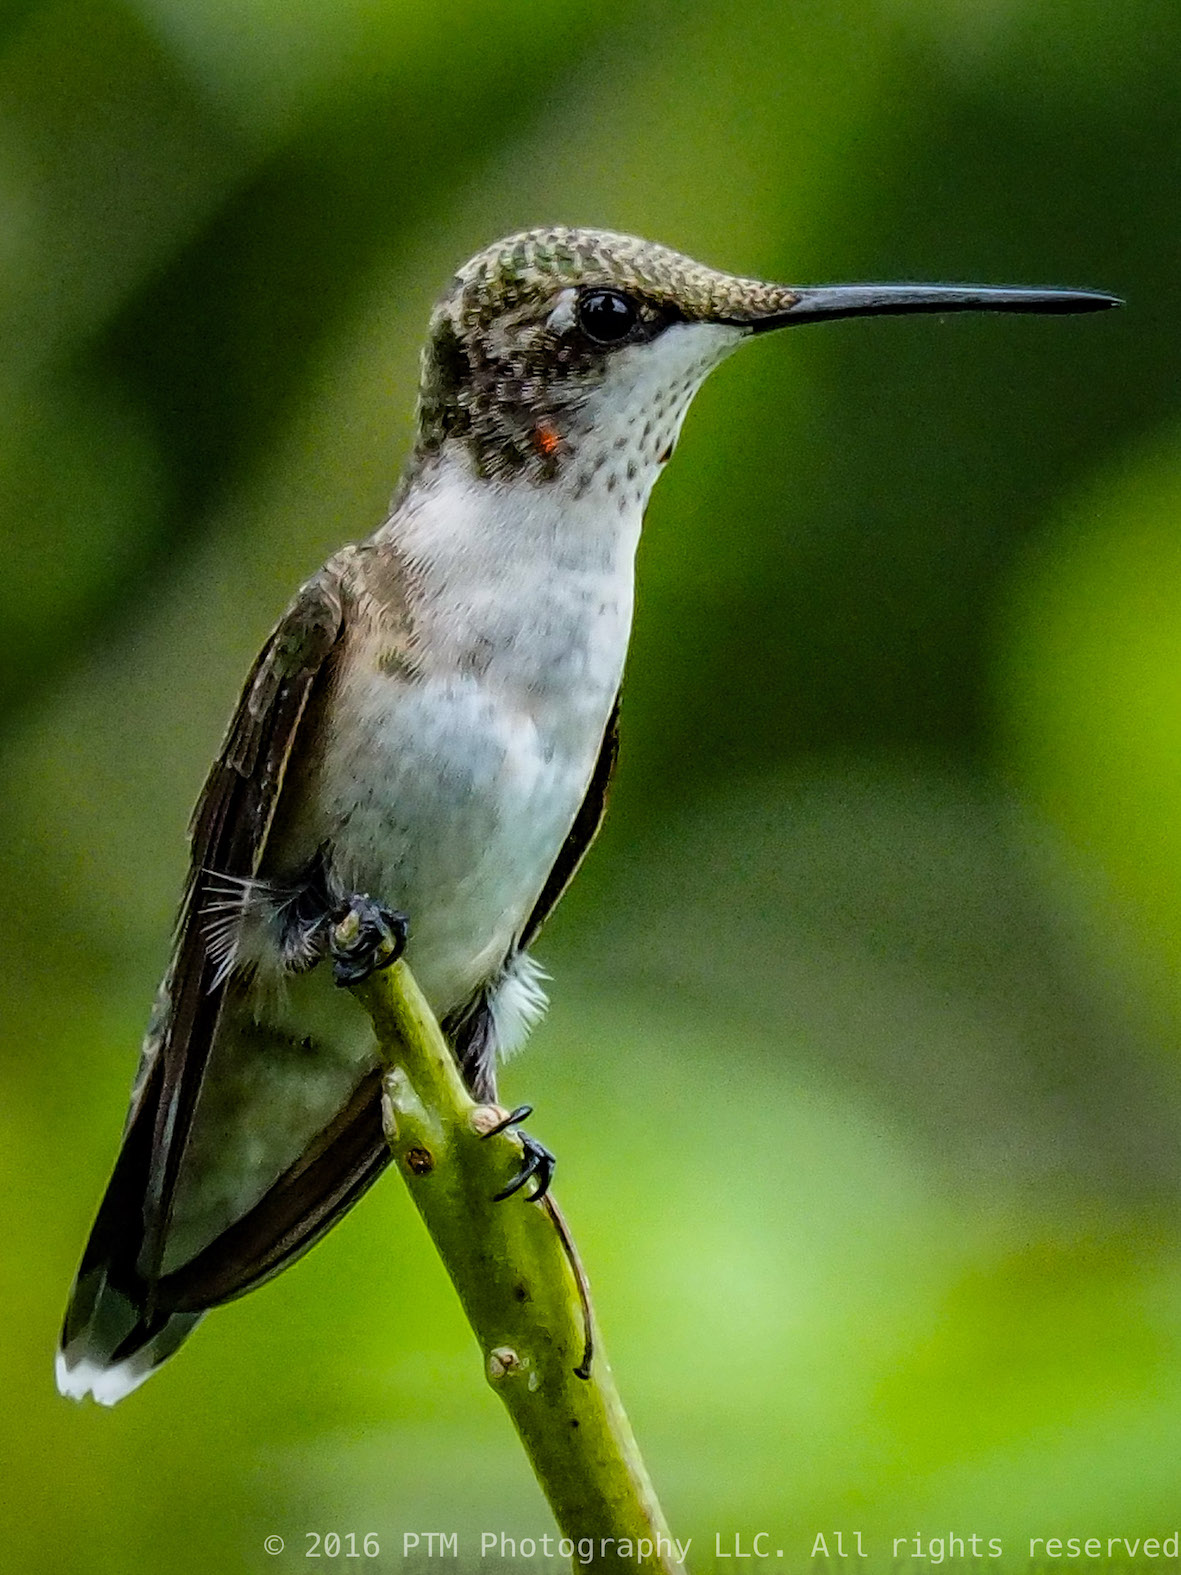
124, 1320
110, 1343
112, 1336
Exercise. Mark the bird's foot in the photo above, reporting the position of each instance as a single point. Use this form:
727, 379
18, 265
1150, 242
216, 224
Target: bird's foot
537, 1160
365, 937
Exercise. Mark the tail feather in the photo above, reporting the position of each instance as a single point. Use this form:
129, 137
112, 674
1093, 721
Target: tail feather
122, 1323
110, 1340
117, 1346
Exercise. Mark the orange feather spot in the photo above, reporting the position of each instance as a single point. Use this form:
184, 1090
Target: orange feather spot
545, 439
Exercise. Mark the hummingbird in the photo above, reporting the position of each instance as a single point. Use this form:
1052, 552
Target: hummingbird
417, 765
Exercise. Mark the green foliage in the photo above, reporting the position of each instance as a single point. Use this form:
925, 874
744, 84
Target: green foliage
862, 1068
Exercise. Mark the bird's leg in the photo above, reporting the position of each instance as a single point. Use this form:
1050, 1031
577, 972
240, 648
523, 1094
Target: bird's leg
473, 1038
364, 936
304, 918
318, 919
538, 1160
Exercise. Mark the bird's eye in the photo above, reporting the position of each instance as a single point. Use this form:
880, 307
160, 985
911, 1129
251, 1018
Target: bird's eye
606, 316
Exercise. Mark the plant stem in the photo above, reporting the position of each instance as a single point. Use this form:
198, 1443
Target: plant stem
511, 1264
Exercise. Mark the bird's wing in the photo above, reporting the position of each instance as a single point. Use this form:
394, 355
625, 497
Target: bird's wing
581, 834
228, 835
332, 1173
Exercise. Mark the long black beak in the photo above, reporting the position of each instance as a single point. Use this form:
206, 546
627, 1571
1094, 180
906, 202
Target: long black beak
878, 300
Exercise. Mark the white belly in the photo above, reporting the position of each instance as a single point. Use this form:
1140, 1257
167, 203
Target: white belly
450, 802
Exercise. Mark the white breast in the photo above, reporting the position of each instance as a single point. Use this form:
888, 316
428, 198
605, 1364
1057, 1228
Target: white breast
449, 796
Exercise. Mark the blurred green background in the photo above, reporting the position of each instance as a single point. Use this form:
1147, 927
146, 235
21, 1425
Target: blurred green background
862, 1065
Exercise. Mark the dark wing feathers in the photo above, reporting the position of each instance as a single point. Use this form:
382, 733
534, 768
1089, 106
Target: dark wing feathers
295, 1212
228, 834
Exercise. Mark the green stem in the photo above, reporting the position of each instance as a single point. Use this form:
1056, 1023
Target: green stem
511, 1265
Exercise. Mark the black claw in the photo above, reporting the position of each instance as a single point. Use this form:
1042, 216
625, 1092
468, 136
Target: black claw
373, 937
538, 1161
521, 1113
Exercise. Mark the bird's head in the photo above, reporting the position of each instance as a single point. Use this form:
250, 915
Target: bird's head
573, 354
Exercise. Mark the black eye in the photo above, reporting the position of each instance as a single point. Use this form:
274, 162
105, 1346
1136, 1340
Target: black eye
606, 316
